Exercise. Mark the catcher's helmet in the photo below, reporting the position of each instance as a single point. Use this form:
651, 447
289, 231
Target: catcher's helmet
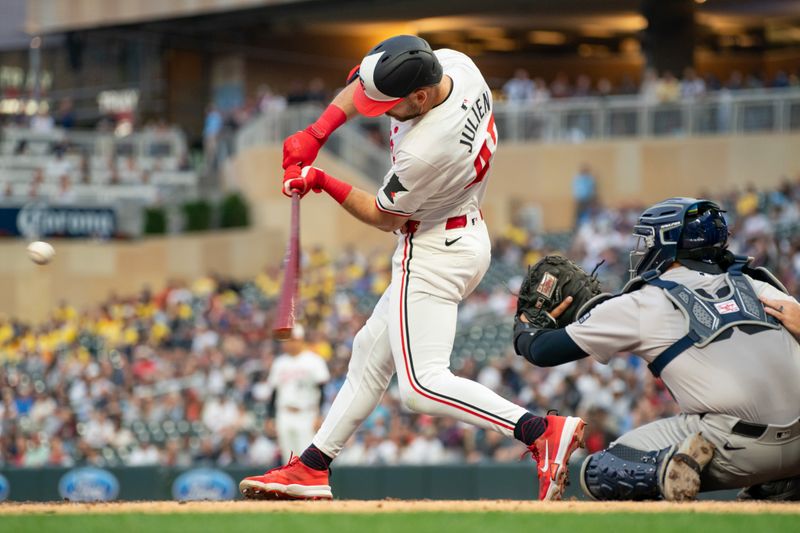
678, 229
393, 70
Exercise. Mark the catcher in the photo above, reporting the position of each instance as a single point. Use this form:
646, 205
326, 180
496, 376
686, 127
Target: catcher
692, 312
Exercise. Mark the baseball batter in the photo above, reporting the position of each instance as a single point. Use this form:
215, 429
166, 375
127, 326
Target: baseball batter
296, 377
693, 314
443, 138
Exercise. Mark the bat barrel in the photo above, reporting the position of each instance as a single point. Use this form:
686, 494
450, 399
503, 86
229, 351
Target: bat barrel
291, 273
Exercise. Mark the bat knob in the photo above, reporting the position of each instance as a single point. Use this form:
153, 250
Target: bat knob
282, 334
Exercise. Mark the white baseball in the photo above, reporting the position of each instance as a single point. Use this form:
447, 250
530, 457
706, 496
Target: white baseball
41, 252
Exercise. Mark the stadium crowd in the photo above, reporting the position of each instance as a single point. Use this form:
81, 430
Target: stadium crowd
176, 377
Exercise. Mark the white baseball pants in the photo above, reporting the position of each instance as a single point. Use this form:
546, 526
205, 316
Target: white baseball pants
411, 332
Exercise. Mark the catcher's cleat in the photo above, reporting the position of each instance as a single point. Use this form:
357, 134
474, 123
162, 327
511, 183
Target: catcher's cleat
564, 434
682, 475
292, 481
780, 490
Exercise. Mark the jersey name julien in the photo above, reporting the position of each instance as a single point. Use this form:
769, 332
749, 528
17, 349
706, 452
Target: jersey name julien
440, 161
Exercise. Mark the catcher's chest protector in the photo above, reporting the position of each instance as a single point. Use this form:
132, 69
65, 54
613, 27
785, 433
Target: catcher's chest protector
707, 318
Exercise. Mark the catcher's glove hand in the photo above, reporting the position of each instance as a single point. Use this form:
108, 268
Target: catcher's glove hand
547, 284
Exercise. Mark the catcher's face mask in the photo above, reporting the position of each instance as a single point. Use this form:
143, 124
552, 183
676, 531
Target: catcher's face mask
654, 246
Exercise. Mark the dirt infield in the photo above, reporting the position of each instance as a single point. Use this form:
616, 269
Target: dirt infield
398, 506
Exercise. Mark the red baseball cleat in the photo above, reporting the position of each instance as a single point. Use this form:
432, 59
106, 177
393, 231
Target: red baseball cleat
564, 434
292, 481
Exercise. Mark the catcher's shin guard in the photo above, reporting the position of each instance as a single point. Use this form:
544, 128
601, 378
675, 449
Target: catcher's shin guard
624, 473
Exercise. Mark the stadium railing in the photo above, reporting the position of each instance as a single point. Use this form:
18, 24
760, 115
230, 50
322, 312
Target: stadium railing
566, 120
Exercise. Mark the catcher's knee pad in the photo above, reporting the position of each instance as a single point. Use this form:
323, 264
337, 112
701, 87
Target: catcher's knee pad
624, 473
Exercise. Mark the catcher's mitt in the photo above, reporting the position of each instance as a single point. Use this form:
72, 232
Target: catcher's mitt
546, 285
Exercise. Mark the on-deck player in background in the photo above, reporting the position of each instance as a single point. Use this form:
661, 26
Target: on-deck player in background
296, 377
443, 138
693, 314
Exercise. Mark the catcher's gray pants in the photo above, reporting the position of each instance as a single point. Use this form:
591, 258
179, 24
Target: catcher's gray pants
740, 459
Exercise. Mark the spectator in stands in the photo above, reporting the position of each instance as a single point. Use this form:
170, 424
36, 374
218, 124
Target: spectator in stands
42, 121
58, 166
604, 88
211, 132
648, 90
627, 86
66, 193
268, 102
65, 116
755, 80
520, 88
541, 92
317, 93
780, 81
297, 93
560, 88
735, 81
668, 88
584, 192
583, 87
692, 86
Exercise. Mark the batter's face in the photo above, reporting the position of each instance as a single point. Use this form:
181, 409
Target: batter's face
410, 107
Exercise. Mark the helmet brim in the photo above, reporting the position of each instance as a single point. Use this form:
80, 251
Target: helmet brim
370, 107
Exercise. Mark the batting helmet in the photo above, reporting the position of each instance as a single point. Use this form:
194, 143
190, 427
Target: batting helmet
393, 70
678, 229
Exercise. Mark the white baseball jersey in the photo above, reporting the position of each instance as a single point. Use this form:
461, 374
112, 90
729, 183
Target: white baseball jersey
296, 380
752, 375
440, 161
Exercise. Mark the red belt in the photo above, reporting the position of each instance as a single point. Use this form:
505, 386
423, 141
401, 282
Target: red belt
451, 223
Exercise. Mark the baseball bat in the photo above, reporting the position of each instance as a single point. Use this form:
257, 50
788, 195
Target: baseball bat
287, 304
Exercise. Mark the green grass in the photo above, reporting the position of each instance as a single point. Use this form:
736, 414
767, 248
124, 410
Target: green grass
493, 522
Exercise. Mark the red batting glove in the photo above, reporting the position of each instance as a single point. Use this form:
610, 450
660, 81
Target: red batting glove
302, 180
302, 147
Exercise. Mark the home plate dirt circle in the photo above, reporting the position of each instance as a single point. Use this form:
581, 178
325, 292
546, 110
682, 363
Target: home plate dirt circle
398, 506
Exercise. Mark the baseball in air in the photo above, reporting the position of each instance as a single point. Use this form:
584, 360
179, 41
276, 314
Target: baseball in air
41, 252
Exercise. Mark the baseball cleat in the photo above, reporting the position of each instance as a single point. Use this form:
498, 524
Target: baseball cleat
292, 481
564, 434
682, 476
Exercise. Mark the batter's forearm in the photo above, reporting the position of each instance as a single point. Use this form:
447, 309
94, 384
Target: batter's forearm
344, 100
361, 205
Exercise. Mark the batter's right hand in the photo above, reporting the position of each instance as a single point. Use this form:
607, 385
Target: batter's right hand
302, 180
300, 148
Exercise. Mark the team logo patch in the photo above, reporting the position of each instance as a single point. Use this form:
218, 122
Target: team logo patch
547, 285
393, 188
727, 307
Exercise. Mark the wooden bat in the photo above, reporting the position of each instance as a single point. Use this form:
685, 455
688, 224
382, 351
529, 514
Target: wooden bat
287, 304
